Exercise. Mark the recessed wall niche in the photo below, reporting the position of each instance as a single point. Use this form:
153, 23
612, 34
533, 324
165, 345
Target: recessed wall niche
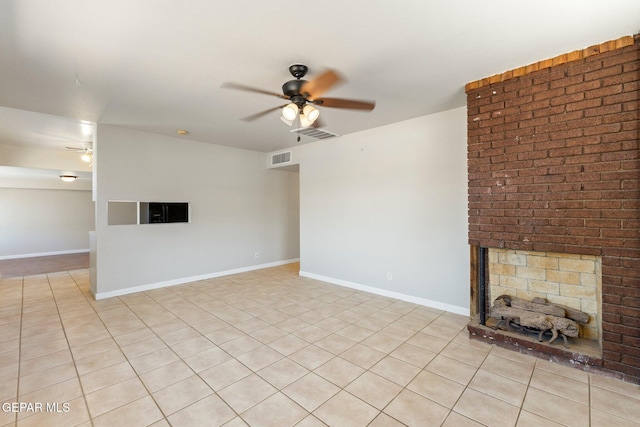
122, 212
134, 213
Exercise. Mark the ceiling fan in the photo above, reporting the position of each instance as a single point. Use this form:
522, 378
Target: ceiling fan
302, 96
87, 155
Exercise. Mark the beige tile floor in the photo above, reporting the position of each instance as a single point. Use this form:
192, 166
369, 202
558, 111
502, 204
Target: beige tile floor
269, 348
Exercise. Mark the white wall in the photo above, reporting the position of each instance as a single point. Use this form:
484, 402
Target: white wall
391, 199
44, 221
238, 208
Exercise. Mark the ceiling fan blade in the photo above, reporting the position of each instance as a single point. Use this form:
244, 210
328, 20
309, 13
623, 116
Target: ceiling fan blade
237, 86
320, 84
260, 114
352, 104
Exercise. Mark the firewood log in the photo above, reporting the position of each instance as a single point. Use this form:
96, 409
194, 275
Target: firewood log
579, 316
531, 319
538, 308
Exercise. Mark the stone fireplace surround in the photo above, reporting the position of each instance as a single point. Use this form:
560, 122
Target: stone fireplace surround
553, 166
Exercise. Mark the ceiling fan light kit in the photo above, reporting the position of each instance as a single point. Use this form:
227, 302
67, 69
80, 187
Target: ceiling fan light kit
311, 112
303, 95
87, 157
290, 111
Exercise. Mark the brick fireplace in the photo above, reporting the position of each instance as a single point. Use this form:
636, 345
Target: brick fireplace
554, 168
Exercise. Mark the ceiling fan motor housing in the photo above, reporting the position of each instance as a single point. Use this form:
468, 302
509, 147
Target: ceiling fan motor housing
292, 87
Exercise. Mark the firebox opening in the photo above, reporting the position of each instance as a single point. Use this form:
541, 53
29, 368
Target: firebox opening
544, 283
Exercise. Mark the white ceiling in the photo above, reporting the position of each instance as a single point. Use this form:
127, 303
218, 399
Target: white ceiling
158, 65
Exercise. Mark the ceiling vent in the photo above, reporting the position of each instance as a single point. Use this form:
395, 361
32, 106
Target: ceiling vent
314, 133
281, 158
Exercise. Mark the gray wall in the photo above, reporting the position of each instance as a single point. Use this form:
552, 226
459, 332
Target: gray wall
390, 200
238, 208
40, 214
44, 221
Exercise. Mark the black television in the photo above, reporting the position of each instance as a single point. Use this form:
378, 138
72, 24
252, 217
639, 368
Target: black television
164, 212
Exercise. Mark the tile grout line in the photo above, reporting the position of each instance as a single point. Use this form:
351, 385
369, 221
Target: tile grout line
75, 367
466, 387
239, 415
288, 358
19, 347
166, 416
526, 392
589, 398
91, 417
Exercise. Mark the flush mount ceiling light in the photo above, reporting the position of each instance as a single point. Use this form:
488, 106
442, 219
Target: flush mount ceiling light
68, 178
302, 95
182, 132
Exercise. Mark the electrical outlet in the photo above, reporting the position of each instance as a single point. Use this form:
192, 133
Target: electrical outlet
389, 276
256, 255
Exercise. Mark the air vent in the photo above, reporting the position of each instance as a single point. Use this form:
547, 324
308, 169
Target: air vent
315, 133
281, 158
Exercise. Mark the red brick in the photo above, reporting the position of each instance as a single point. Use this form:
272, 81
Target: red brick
620, 79
631, 96
629, 116
604, 72
601, 111
583, 105
568, 98
583, 86
630, 56
631, 86
533, 122
552, 93
584, 68
630, 360
583, 141
565, 81
535, 105
603, 92
567, 117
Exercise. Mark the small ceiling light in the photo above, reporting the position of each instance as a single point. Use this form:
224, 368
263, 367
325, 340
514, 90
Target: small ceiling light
311, 112
308, 115
87, 157
182, 132
68, 178
304, 121
289, 111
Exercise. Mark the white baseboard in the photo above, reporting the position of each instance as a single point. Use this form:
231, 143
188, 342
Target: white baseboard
392, 294
75, 251
183, 280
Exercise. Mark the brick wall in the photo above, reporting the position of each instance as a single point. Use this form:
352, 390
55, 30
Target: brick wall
554, 166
